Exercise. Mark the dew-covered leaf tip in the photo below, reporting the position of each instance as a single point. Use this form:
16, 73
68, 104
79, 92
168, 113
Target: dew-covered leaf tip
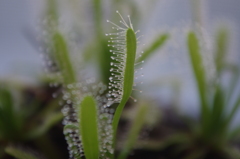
123, 45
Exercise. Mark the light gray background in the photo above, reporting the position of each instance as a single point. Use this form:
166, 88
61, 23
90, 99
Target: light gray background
17, 54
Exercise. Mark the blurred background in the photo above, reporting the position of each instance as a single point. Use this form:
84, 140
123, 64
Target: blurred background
20, 59
168, 77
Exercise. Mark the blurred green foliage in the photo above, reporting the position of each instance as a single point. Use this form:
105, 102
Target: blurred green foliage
22, 118
213, 135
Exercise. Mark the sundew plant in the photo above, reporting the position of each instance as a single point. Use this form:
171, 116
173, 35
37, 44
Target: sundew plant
91, 104
90, 119
90, 122
91, 110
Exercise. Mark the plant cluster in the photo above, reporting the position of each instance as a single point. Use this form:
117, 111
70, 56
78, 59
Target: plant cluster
90, 110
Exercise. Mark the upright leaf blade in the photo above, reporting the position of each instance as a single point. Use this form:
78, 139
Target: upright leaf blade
199, 72
128, 78
63, 60
124, 45
217, 129
218, 106
221, 49
10, 121
130, 61
88, 126
158, 43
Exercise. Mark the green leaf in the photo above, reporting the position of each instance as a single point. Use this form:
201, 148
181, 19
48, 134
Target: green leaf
217, 114
221, 49
134, 131
129, 67
128, 77
6, 111
158, 43
63, 60
88, 126
97, 10
199, 72
19, 153
10, 123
